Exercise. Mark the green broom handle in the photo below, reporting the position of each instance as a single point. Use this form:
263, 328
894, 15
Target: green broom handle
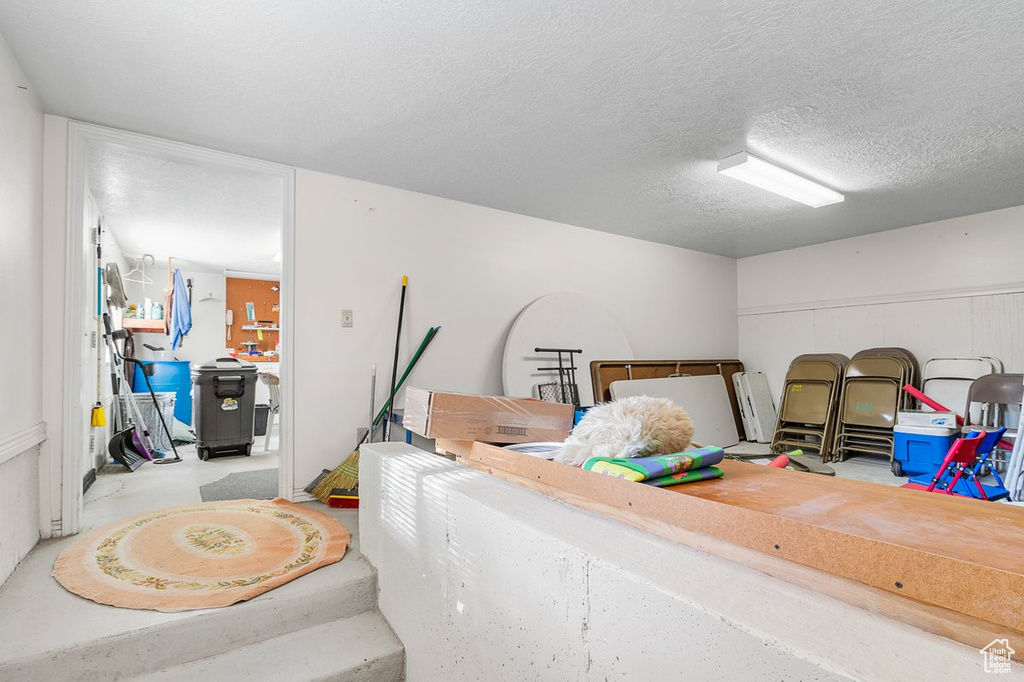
412, 363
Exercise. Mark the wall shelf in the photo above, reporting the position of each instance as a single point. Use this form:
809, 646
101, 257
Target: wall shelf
143, 326
253, 327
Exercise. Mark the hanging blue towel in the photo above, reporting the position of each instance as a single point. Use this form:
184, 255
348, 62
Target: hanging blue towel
181, 313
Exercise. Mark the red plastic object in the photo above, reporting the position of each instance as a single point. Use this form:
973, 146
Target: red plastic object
780, 462
344, 498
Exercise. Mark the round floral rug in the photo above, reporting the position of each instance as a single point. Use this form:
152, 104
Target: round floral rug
200, 556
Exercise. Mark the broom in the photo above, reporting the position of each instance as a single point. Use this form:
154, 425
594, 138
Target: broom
345, 477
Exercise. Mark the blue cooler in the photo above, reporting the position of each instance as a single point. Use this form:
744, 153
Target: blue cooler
920, 449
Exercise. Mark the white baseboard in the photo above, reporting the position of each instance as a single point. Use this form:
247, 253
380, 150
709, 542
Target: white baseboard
18, 442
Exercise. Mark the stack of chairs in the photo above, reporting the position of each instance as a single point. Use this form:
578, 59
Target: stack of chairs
872, 394
948, 380
809, 404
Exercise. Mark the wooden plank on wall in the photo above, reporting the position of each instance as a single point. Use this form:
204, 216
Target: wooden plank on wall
949, 565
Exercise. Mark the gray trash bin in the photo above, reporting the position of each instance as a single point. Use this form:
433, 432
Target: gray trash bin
224, 402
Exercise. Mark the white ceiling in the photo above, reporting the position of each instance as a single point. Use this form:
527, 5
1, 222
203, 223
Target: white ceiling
215, 218
601, 113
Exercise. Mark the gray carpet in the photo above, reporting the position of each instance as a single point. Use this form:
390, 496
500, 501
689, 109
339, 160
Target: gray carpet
244, 485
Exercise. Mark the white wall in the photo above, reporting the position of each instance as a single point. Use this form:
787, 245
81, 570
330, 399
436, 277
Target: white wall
21, 419
207, 337
952, 287
484, 580
55, 216
471, 270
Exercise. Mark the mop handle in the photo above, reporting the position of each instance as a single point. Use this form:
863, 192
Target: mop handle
156, 406
394, 365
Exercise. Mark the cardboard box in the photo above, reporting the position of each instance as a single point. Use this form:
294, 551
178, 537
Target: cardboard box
458, 416
945, 420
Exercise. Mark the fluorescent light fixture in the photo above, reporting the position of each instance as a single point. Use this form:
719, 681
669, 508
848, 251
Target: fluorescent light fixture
759, 173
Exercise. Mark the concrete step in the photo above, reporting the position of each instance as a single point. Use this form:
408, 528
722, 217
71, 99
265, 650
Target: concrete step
47, 633
358, 649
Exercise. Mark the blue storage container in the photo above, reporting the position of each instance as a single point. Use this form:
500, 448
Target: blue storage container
169, 376
921, 449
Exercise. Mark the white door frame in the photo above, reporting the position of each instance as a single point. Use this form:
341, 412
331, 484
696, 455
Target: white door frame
79, 136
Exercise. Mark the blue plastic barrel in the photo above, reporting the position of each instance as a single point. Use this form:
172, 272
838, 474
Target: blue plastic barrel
170, 376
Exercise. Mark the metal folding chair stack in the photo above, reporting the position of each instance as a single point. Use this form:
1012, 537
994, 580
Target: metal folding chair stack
947, 380
872, 394
808, 407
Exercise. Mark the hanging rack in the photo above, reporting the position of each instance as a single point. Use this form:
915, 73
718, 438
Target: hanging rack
145, 280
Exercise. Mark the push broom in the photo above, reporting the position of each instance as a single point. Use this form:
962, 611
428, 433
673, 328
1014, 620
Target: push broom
345, 477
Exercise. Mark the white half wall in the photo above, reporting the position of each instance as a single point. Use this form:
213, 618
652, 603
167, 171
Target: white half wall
484, 580
952, 287
471, 270
21, 309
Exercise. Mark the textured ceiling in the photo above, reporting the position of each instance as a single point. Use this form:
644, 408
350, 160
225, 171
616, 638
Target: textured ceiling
211, 216
607, 114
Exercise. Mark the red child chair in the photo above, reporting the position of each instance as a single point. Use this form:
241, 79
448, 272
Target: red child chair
959, 462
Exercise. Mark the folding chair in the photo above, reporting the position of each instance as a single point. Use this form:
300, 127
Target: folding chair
958, 465
947, 380
807, 409
984, 452
994, 393
871, 396
273, 384
903, 356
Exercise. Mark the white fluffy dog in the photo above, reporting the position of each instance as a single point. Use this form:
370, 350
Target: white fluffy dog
631, 427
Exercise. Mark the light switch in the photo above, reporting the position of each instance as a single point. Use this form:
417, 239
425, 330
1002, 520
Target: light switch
346, 318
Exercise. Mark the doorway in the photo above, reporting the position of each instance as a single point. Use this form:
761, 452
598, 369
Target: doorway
169, 213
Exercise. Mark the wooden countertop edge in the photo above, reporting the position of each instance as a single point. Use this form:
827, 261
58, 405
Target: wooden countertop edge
950, 623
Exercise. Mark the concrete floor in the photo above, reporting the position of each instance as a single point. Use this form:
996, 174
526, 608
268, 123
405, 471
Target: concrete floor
865, 468
39, 617
859, 468
118, 493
